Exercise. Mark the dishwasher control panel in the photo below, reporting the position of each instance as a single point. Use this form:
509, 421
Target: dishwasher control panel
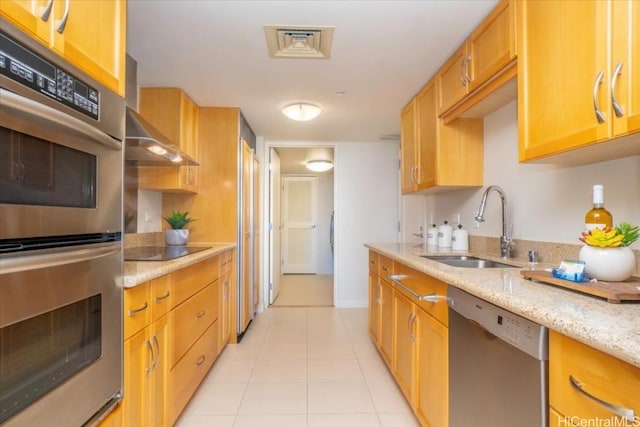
516, 330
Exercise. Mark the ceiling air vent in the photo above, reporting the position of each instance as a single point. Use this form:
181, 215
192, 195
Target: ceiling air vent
291, 41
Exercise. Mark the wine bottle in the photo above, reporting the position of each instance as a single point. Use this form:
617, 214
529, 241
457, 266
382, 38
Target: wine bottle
598, 216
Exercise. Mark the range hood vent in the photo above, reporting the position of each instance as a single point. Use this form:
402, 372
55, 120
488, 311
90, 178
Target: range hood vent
147, 146
291, 41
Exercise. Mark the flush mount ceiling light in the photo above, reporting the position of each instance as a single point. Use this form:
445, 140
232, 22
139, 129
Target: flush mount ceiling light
301, 112
319, 165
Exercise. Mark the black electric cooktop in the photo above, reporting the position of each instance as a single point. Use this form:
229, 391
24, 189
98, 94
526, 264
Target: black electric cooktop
160, 253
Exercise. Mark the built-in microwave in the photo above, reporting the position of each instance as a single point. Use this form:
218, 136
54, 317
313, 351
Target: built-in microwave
61, 167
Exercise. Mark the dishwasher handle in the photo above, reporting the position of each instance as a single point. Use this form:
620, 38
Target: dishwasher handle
627, 413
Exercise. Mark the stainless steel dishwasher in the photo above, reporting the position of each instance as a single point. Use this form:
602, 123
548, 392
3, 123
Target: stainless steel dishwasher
498, 366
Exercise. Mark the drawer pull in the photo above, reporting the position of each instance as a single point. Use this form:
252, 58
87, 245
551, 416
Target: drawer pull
627, 413
200, 360
433, 298
135, 311
163, 297
200, 314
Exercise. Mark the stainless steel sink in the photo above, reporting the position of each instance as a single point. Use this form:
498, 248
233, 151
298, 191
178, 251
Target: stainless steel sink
467, 261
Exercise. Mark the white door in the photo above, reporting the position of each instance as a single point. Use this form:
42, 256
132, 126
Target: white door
300, 231
275, 225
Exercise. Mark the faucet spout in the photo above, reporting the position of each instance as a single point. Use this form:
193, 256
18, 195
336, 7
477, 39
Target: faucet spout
506, 241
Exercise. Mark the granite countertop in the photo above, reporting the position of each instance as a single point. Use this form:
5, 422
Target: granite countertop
137, 272
611, 328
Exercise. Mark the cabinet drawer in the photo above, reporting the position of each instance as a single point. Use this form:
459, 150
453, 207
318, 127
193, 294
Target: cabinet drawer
192, 318
374, 262
421, 284
189, 372
137, 310
386, 266
160, 296
602, 376
189, 280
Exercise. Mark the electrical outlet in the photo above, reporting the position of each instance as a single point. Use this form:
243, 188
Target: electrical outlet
147, 217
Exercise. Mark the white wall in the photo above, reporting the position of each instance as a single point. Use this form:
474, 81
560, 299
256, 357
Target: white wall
366, 205
149, 211
325, 208
546, 202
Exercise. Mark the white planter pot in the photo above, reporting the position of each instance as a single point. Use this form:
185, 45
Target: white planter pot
608, 264
176, 237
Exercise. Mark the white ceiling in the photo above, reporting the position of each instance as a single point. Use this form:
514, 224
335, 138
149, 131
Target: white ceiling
383, 52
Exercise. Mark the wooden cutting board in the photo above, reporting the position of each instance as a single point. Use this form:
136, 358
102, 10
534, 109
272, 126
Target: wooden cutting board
614, 292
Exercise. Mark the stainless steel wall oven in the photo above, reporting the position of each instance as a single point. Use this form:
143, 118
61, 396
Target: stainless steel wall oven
61, 162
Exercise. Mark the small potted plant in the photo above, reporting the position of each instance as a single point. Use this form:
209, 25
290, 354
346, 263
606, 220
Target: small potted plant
178, 235
606, 252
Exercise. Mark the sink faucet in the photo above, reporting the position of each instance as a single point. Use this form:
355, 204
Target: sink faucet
506, 241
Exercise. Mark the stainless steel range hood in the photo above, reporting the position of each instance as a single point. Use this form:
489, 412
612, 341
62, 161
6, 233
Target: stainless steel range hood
147, 146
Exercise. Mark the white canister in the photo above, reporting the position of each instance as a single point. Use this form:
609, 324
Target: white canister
460, 239
445, 233
432, 235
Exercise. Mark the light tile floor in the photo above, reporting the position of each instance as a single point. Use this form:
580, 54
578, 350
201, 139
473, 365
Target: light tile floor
311, 366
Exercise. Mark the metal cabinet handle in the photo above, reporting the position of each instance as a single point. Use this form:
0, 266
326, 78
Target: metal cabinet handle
467, 77
135, 311
200, 314
63, 22
433, 298
599, 114
410, 325
617, 109
162, 297
157, 358
150, 351
46, 11
200, 360
463, 72
627, 413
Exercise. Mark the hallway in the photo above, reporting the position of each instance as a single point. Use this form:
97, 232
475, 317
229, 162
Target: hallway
303, 290
298, 367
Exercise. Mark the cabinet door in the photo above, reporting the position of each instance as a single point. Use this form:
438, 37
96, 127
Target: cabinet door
427, 136
28, 16
374, 307
386, 322
452, 80
563, 50
405, 344
160, 392
492, 45
432, 392
225, 309
93, 38
408, 148
138, 358
625, 83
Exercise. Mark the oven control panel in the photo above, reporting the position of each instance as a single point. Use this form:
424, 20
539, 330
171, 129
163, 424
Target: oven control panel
24, 66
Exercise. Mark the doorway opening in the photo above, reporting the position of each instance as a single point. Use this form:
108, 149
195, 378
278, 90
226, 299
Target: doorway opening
301, 215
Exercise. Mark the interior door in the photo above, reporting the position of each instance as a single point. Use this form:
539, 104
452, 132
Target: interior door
275, 228
246, 287
300, 231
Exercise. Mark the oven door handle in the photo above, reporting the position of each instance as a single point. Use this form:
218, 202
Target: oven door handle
37, 113
60, 257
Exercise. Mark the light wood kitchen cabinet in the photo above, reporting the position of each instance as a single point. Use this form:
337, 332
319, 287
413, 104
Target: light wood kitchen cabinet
225, 297
375, 298
146, 353
579, 82
387, 330
404, 362
583, 381
176, 116
89, 34
486, 58
438, 157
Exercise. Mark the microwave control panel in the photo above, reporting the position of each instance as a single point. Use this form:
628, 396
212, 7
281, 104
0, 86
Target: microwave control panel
21, 64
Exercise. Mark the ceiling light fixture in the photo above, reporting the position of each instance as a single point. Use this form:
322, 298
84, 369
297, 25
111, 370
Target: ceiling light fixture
301, 112
319, 165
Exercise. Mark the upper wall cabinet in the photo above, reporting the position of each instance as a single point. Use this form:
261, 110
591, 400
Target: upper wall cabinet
579, 80
485, 62
174, 114
437, 157
89, 34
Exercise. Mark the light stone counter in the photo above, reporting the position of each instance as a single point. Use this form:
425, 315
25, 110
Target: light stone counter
611, 328
137, 272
